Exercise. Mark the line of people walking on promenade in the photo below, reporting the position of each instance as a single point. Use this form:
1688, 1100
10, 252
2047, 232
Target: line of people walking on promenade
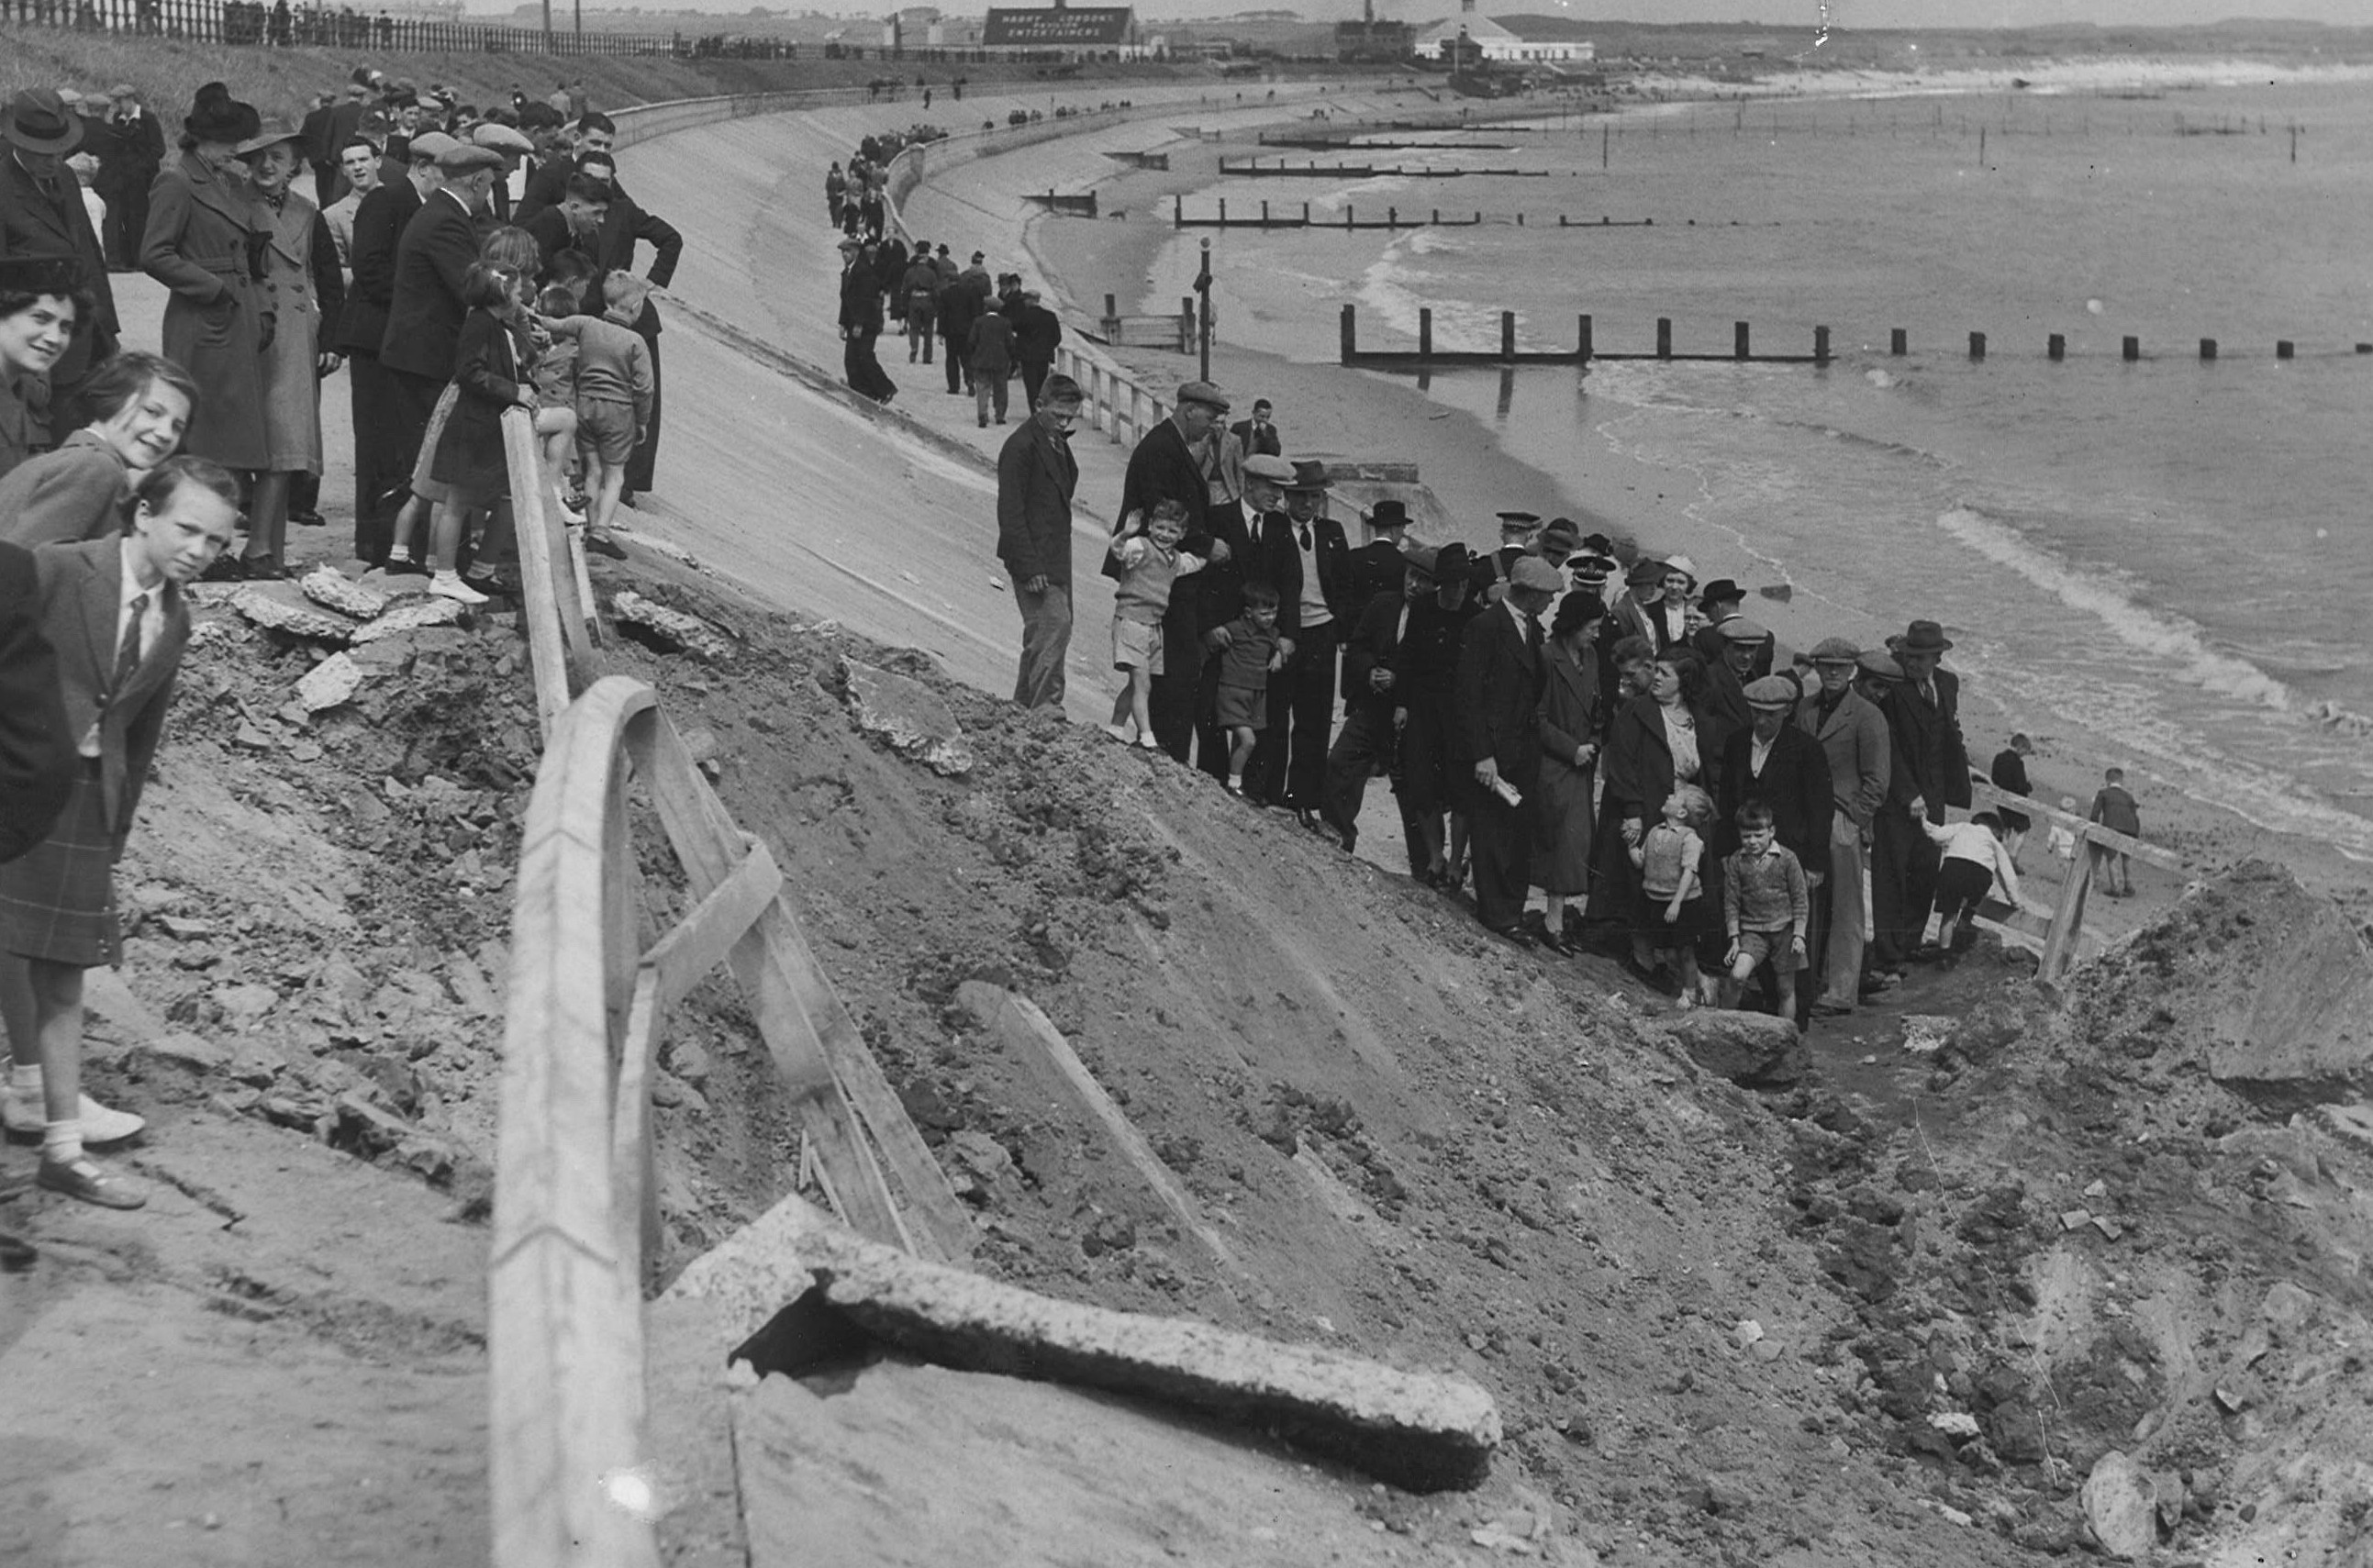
474, 272
1556, 714
989, 331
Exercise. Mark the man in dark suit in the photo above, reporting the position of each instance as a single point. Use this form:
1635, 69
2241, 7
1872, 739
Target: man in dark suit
1164, 467
1496, 743
1375, 704
1487, 575
1257, 435
958, 305
41, 214
1377, 566
382, 464
1776, 761
623, 226
1928, 770
1035, 477
1305, 557
575, 224
1037, 333
425, 309
130, 148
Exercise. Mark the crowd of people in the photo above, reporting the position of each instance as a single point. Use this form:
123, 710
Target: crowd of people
455, 265
989, 331
1554, 714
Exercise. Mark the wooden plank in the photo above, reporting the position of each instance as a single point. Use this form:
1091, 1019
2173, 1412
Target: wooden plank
815, 1042
634, 1195
563, 1336
1017, 1022
2067, 920
703, 939
561, 660
2085, 830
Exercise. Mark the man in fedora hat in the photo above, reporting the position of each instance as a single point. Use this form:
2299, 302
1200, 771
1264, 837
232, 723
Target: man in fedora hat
1929, 770
1163, 466
41, 214
1853, 735
1377, 566
1305, 557
1720, 601
1376, 703
861, 323
130, 148
1497, 741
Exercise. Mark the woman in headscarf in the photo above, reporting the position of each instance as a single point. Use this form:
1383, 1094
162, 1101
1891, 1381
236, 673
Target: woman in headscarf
206, 238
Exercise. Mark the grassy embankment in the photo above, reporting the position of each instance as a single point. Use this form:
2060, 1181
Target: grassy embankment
282, 81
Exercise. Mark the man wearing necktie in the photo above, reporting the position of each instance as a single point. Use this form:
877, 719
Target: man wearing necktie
113, 613
1929, 769
1306, 558
1496, 744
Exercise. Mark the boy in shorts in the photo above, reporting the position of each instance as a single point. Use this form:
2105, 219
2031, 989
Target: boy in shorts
1245, 664
614, 387
1765, 906
555, 400
1150, 562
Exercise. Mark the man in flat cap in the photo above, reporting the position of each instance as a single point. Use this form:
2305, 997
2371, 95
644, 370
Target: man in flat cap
1929, 770
1776, 761
1497, 741
425, 309
1853, 735
1164, 467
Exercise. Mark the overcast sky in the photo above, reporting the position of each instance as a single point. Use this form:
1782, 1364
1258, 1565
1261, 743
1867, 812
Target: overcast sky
1783, 14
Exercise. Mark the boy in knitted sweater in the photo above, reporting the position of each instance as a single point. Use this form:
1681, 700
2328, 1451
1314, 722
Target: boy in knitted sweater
1765, 906
1150, 562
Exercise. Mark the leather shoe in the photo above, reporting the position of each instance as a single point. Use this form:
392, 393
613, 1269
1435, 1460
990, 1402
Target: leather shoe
1516, 935
1826, 1008
86, 1181
25, 1119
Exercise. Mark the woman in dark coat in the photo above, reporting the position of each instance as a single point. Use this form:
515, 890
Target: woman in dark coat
113, 613
1571, 716
206, 233
1651, 746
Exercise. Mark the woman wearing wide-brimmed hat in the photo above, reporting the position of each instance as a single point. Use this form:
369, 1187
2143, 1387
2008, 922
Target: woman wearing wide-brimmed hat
207, 234
300, 262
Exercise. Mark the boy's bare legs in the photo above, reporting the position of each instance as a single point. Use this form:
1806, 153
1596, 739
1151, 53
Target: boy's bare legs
609, 483
1141, 697
1240, 751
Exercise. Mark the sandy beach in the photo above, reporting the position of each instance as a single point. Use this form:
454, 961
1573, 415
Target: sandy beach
769, 273
1446, 426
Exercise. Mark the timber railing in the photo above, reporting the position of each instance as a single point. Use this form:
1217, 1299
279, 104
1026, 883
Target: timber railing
576, 1213
2065, 937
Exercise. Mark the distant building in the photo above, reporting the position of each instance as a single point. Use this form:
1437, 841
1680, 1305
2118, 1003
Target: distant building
1107, 31
1487, 40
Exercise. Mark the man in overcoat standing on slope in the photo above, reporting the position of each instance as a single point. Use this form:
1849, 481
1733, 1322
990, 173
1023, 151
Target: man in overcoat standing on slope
1035, 477
1929, 770
1496, 744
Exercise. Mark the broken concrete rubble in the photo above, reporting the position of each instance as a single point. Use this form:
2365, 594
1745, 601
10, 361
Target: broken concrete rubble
1746, 1047
1419, 1430
908, 714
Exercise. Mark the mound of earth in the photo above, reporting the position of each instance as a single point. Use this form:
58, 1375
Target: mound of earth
1721, 1326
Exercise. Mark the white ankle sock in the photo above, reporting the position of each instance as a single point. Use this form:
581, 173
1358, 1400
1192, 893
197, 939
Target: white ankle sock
25, 1079
399, 552
62, 1142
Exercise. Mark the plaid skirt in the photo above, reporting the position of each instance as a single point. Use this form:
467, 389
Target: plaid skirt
57, 900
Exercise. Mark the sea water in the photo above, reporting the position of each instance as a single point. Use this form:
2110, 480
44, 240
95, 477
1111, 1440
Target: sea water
2172, 559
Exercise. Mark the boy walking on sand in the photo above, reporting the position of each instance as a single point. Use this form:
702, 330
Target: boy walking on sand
1765, 908
1251, 656
2115, 810
1150, 562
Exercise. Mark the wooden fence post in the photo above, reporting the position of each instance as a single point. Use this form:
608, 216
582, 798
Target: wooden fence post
1582, 350
1425, 332
1350, 332
1738, 341
1508, 335
1664, 337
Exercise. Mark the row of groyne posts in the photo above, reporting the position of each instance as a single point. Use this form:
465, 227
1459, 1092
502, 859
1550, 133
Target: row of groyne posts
1742, 351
